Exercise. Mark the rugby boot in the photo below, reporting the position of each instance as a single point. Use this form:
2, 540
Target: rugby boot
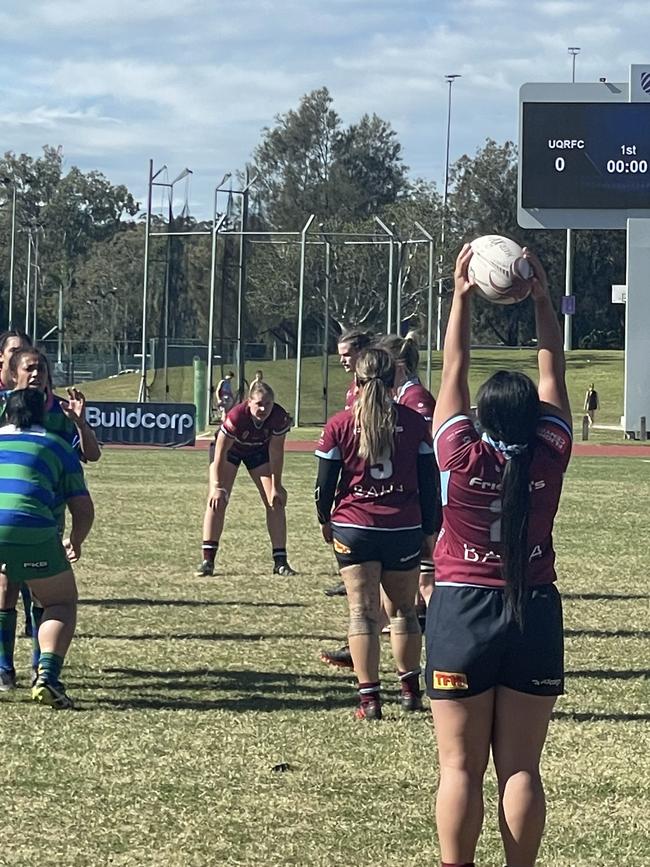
7, 679
336, 590
284, 570
410, 702
341, 658
51, 695
205, 569
370, 710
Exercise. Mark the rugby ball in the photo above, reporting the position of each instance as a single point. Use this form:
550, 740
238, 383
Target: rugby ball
498, 270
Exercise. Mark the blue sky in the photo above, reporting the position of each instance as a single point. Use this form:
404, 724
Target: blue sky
116, 82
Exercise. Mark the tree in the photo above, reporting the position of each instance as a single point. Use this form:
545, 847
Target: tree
68, 213
309, 164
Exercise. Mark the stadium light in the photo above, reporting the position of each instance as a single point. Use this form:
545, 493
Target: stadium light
573, 50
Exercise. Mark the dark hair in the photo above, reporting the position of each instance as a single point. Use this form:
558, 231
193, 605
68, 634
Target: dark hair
508, 410
374, 408
17, 357
25, 408
357, 338
14, 332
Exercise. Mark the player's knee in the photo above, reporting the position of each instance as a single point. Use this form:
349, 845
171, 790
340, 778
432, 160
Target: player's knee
363, 621
405, 622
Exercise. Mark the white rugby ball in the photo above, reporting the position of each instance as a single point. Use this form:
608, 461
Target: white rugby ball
498, 269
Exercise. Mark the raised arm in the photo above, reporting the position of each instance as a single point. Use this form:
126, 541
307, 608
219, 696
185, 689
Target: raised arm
74, 408
550, 349
453, 397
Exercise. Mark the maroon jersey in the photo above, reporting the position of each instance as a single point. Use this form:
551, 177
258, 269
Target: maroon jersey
414, 395
383, 496
468, 550
249, 435
351, 395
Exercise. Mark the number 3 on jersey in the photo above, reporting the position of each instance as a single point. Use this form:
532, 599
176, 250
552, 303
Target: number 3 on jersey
383, 469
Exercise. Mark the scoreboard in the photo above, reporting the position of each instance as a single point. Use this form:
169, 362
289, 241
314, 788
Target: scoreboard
584, 156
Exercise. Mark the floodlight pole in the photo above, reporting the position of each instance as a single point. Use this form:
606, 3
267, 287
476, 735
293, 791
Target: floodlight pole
28, 279
59, 336
301, 301
35, 296
241, 361
142, 394
429, 238
326, 322
213, 267
391, 235
450, 78
568, 274
10, 310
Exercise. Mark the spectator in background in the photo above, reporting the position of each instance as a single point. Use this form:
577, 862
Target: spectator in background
592, 403
225, 396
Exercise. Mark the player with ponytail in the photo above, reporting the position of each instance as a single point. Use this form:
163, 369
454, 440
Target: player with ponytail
494, 625
375, 503
410, 392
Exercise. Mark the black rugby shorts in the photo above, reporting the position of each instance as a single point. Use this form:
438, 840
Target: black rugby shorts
251, 461
396, 550
473, 643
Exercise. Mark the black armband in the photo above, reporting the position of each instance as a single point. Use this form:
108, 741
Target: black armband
326, 481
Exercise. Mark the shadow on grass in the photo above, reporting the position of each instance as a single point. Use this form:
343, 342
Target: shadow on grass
207, 636
238, 704
605, 597
245, 690
607, 633
609, 674
600, 717
186, 603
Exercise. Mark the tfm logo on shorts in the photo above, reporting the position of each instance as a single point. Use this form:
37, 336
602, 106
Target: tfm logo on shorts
449, 680
39, 564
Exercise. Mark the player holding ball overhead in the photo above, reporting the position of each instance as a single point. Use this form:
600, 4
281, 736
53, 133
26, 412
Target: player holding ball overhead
375, 502
494, 624
253, 433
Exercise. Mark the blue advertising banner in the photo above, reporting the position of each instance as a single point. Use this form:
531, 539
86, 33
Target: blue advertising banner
154, 424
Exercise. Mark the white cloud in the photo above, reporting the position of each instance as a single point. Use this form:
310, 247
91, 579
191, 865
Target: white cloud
118, 81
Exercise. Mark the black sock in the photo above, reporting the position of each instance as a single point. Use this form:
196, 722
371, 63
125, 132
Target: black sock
209, 551
279, 557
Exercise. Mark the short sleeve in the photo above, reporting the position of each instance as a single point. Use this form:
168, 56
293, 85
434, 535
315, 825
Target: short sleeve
453, 442
281, 425
557, 436
328, 446
229, 426
72, 482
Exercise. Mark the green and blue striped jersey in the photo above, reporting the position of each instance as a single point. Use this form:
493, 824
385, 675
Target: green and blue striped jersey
39, 472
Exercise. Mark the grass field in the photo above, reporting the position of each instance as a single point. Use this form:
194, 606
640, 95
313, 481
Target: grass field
190, 691
603, 367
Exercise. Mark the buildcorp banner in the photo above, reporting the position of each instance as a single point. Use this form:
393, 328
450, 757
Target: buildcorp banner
155, 424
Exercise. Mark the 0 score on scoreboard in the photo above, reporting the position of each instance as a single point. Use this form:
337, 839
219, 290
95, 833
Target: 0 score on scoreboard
584, 155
